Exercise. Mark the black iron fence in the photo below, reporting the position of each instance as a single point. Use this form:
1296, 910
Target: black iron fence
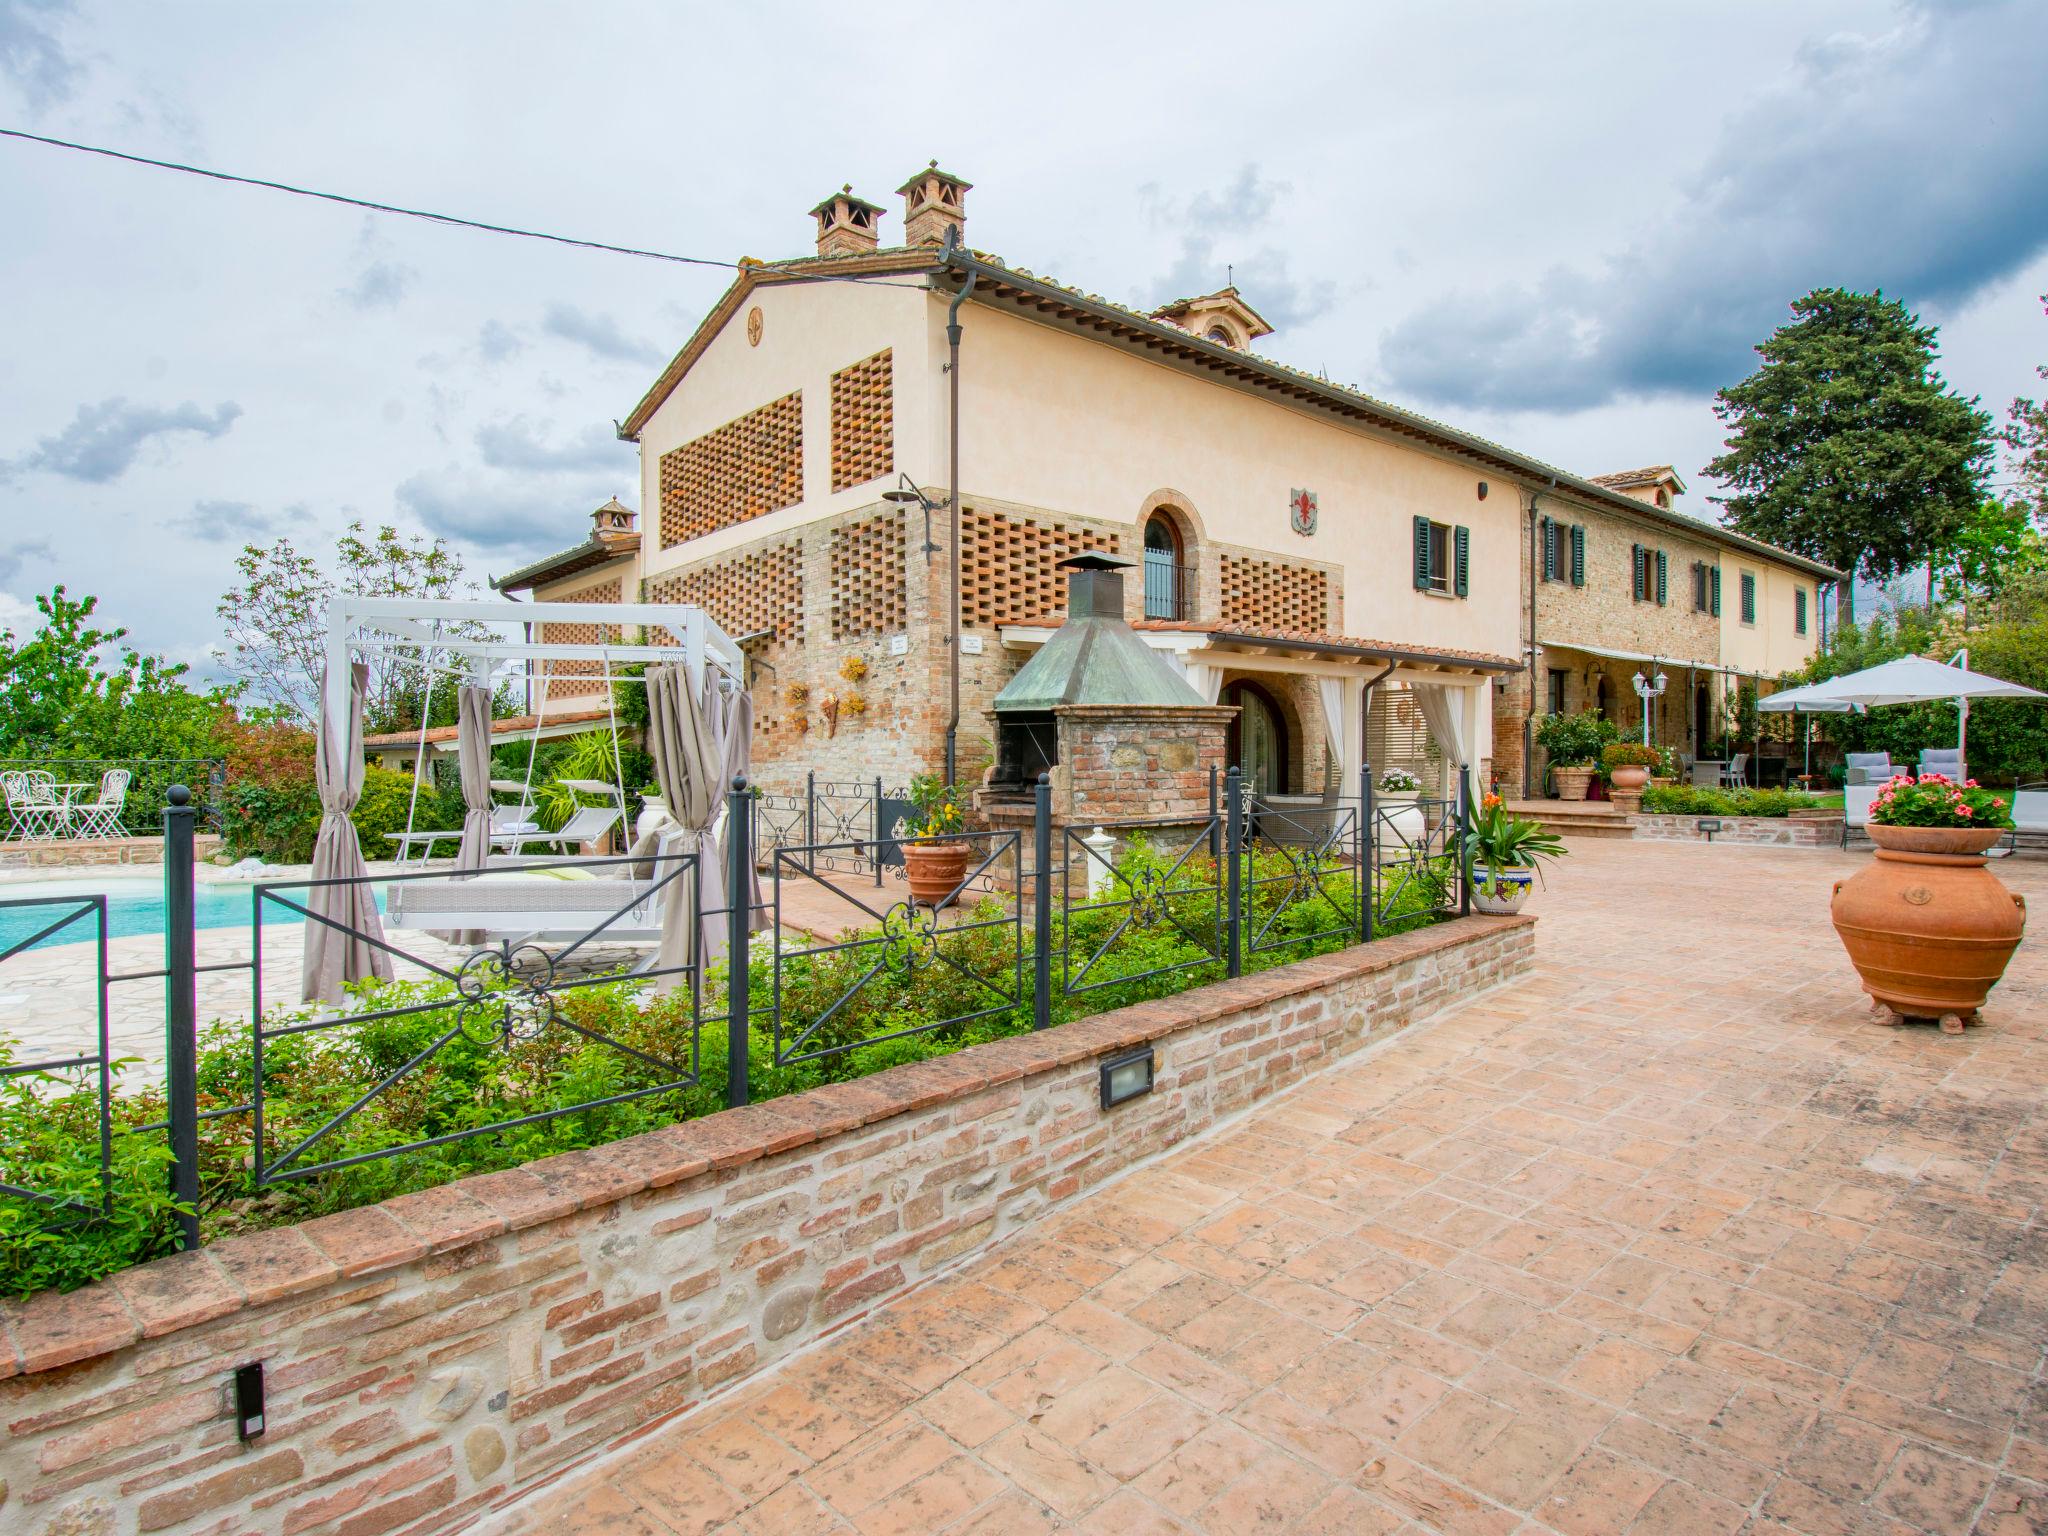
137, 810
542, 989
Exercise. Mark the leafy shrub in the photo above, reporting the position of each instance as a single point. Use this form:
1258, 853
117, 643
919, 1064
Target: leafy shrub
387, 801
1574, 740
1631, 754
1688, 800
270, 807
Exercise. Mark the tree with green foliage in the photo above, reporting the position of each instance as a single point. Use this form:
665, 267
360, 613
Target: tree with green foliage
275, 622
1847, 445
1997, 545
2025, 436
59, 698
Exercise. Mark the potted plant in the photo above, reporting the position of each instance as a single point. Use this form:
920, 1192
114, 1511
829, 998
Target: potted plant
1665, 774
1503, 855
1927, 926
934, 859
1394, 797
1573, 743
1627, 765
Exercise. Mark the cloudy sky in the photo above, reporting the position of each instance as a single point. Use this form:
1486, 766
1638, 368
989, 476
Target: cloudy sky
1561, 225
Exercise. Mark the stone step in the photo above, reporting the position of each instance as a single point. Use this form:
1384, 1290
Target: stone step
1576, 818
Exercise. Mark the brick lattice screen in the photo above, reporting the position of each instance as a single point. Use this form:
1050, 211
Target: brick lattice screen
863, 422
1007, 566
867, 578
1269, 594
745, 469
762, 589
569, 679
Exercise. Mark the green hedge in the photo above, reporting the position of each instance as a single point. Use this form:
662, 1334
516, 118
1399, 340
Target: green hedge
1683, 800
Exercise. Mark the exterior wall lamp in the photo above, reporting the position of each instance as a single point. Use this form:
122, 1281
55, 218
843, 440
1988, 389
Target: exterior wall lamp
906, 492
1647, 690
1127, 1076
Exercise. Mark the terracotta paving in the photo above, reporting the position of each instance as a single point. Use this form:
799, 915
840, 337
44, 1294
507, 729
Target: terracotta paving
1667, 1238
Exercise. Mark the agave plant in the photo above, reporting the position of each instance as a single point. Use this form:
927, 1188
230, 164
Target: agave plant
1503, 841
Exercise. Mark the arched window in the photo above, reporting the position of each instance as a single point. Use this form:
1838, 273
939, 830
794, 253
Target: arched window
1257, 742
1222, 335
1169, 579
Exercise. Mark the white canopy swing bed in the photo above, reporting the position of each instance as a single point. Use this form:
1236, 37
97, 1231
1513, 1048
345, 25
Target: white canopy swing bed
700, 731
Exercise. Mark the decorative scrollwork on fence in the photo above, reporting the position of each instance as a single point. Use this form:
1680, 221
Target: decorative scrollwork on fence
507, 994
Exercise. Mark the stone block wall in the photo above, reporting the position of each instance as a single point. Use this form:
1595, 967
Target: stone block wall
97, 852
435, 1356
1764, 831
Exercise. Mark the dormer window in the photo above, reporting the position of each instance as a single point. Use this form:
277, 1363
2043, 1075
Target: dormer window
1222, 317
1218, 334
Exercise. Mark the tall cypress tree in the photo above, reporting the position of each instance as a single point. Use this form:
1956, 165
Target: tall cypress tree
1847, 445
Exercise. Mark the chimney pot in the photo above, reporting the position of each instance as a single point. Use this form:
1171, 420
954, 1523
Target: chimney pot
933, 202
847, 225
613, 519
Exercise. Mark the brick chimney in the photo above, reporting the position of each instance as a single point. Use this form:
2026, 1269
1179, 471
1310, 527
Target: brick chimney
933, 202
613, 521
847, 226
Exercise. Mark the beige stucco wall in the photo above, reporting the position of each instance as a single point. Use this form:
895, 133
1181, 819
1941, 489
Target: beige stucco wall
1053, 420
1770, 645
809, 332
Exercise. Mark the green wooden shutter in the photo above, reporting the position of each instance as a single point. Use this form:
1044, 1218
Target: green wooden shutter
1661, 573
1549, 549
1421, 554
1578, 554
1714, 589
1461, 559
1799, 610
1748, 598
1635, 556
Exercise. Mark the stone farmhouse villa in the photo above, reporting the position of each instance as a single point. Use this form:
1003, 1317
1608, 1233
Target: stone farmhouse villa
1358, 582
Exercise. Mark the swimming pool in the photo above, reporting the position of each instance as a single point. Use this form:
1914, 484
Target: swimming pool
135, 905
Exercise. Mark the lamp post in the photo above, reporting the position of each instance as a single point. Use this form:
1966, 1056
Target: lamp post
1647, 690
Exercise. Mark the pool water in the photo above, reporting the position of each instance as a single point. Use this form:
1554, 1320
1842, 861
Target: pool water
135, 905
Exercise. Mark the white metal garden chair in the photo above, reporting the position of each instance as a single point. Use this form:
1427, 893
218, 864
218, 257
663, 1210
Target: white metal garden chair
101, 816
34, 813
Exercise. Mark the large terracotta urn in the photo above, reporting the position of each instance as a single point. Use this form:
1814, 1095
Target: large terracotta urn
1573, 782
1927, 926
1628, 776
935, 871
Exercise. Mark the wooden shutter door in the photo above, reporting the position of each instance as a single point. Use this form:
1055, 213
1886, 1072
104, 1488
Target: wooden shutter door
1661, 573
1461, 559
1714, 586
1421, 554
1578, 554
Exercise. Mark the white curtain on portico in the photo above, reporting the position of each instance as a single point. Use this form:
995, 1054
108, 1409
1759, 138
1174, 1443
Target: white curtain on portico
1343, 700
1443, 709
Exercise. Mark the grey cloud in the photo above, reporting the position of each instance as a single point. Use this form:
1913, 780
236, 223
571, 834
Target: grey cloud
225, 522
517, 444
1915, 160
500, 514
1215, 228
380, 285
15, 556
498, 341
103, 440
30, 54
598, 334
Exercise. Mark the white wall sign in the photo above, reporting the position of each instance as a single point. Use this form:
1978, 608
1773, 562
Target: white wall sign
899, 645
970, 645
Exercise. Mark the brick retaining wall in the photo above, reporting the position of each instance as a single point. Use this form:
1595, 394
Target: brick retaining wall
82, 852
438, 1354
1771, 831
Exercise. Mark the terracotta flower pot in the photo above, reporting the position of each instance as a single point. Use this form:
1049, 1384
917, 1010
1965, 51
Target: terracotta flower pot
1572, 783
1628, 776
935, 871
1927, 926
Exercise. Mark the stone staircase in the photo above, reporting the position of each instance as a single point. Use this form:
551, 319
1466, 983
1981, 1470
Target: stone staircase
1576, 818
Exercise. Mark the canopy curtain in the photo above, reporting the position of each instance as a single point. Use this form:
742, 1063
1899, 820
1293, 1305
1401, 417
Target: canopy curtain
473, 746
688, 758
1343, 725
337, 955
1446, 722
736, 737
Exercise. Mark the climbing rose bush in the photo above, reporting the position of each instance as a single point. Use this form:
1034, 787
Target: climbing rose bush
1936, 800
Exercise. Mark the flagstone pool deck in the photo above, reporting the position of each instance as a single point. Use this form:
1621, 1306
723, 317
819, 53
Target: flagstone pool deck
1667, 1238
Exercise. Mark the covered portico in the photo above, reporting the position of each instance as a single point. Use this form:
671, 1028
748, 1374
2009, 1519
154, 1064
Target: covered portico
1304, 699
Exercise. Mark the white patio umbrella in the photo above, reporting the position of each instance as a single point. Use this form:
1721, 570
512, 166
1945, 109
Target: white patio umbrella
1908, 680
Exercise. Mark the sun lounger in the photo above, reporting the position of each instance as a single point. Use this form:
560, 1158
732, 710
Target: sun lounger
552, 902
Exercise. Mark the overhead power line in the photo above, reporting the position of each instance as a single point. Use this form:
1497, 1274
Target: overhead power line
452, 220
